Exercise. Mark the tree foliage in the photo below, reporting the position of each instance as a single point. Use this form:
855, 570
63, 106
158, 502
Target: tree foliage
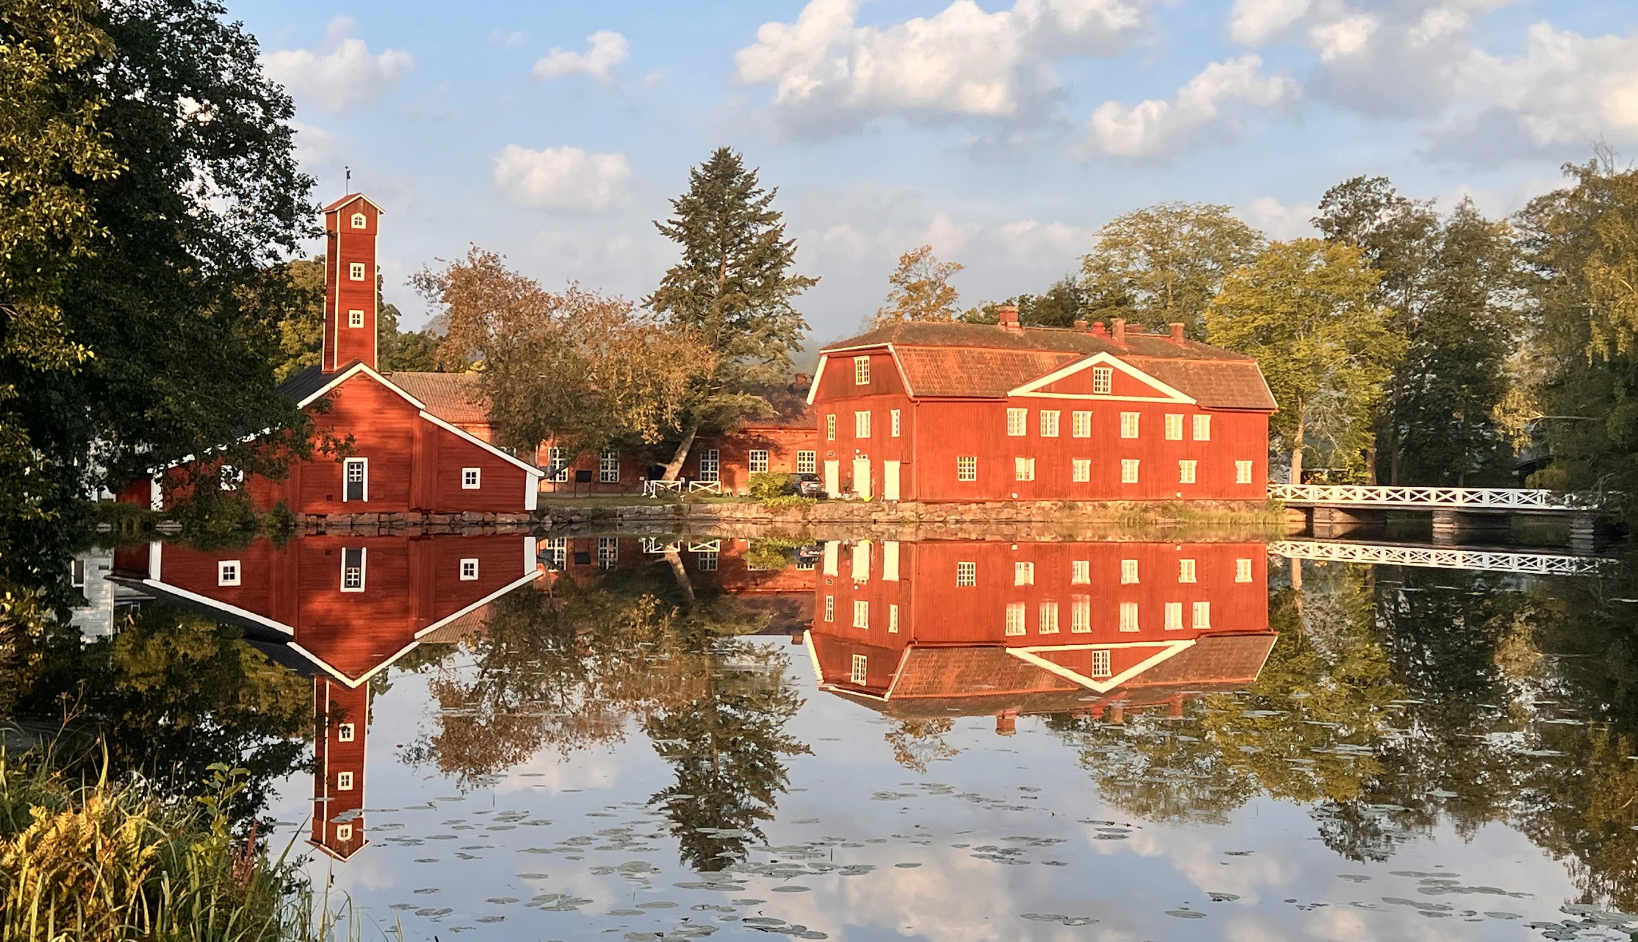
301, 326
1304, 309
1166, 262
921, 290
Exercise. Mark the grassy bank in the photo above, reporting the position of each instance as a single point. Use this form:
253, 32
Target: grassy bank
85, 858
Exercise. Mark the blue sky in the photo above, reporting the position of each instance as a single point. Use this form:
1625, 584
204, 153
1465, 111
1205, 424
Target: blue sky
1002, 132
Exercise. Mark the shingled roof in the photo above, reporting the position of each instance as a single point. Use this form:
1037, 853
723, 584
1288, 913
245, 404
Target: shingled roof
985, 361
449, 396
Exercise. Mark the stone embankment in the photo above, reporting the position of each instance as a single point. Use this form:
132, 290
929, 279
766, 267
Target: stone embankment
468, 523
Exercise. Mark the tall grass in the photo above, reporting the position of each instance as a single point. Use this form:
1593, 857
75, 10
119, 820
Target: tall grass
105, 861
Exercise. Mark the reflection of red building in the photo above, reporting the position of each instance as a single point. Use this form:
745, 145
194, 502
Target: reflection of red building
1002, 627
338, 608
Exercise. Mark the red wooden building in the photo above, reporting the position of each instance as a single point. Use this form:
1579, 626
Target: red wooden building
972, 412
976, 627
402, 455
338, 609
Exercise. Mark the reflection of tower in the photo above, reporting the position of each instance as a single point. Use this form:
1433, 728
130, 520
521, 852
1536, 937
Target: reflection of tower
340, 721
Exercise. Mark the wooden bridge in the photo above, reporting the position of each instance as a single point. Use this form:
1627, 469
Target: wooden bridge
1459, 513
1438, 557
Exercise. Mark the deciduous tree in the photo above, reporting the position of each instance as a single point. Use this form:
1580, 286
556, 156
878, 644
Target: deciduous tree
921, 290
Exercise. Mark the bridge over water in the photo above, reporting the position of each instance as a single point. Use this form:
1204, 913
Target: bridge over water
1428, 556
1459, 514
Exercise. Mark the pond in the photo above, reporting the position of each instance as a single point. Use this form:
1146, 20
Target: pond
644, 738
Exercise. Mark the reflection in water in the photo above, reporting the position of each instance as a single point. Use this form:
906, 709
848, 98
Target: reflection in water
1189, 688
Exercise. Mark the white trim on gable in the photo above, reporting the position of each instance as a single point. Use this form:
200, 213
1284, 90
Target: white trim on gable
1168, 649
531, 576
234, 610
904, 377
338, 378
818, 372
349, 200
1168, 393
481, 443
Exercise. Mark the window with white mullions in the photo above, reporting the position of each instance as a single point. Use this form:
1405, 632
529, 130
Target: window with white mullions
758, 460
555, 553
352, 569
807, 462
859, 672
1103, 380
557, 464
608, 467
355, 478
711, 465
608, 552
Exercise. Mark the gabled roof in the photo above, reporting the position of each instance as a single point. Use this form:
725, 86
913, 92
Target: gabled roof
453, 397
351, 198
985, 361
790, 405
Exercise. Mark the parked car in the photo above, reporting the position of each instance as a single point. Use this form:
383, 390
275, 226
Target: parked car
809, 485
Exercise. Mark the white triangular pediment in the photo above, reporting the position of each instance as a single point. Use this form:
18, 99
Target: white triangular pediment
1163, 650
1163, 393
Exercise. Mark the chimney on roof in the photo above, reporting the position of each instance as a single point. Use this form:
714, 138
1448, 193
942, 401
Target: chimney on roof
1119, 332
1006, 722
1097, 329
1080, 325
350, 226
1177, 333
1007, 317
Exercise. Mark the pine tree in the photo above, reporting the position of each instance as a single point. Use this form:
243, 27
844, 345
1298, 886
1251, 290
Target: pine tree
734, 287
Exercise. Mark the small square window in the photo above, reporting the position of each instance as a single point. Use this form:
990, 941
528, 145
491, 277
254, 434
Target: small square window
1049, 423
1103, 380
1128, 425
1202, 428
469, 570
758, 460
1015, 618
861, 371
807, 462
359, 222
355, 318
1174, 616
1128, 616
1128, 470
344, 832
355, 271
344, 781
967, 468
1080, 572
861, 425
1017, 422
1081, 425
1048, 625
1174, 427
859, 670
471, 478
861, 613
1100, 664
1128, 572
1242, 570
344, 732
1186, 471
966, 574
1024, 469
1023, 573
1242, 472
227, 572
1185, 570
1082, 469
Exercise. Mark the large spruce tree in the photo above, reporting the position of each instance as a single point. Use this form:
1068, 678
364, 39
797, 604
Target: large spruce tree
734, 287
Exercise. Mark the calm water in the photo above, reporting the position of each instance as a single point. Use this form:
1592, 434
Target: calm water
1212, 743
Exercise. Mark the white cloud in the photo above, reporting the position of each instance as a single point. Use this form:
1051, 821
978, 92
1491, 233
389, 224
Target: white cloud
1210, 104
606, 49
1279, 221
562, 177
1029, 241
831, 75
341, 74
508, 40
1565, 88
315, 146
1254, 22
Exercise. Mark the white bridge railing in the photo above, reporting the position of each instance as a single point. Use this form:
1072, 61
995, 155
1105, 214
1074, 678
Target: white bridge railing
1495, 498
654, 488
1433, 557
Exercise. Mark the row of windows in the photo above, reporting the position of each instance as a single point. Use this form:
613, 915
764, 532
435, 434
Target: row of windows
1023, 469
230, 572
861, 424
1080, 617
861, 614
608, 465
1081, 424
1080, 572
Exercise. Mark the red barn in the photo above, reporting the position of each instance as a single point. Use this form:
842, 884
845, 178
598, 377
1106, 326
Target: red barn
339, 609
973, 412
992, 627
402, 455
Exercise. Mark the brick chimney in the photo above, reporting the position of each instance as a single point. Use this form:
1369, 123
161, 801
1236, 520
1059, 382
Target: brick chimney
1177, 333
1119, 332
350, 226
1007, 317
1097, 329
1080, 325
1006, 722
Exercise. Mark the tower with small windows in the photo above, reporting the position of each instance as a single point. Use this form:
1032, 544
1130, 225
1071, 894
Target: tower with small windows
341, 719
350, 227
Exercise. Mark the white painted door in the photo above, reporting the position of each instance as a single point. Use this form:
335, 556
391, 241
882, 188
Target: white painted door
833, 474
861, 478
890, 480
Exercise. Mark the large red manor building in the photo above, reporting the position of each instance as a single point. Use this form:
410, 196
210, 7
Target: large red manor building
972, 412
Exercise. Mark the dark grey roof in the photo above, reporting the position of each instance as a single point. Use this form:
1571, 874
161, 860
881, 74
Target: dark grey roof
309, 381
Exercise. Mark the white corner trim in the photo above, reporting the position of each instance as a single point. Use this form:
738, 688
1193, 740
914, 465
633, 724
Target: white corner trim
480, 443
1101, 359
818, 373
898, 671
904, 377
813, 656
532, 575
262, 620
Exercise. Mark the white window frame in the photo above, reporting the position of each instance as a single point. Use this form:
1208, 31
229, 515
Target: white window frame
892, 619
555, 554
830, 608
557, 464
1049, 423
861, 371
966, 574
1188, 471
1174, 426
859, 670
344, 832
1200, 617
608, 552
344, 732
1080, 424
608, 467
1080, 470
1017, 617
1128, 616
807, 462
861, 424
1242, 472
1047, 623
1202, 427
1186, 571
1017, 423
1128, 470
358, 221
966, 467
357, 271
355, 318
1103, 380
469, 569
1080, 615
1023, 573
1242, 570
1100, 664
229, 572
707, 560
1129, 424
896, 420
363, 569
344, 781
711, 464
363, 464
471, 479
1174, 616
1128, 572
755, 457
1080, 572
830, 427
861, 614
1023, 469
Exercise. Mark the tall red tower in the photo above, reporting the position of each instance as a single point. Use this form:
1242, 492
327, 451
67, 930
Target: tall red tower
341, 718
350, 226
